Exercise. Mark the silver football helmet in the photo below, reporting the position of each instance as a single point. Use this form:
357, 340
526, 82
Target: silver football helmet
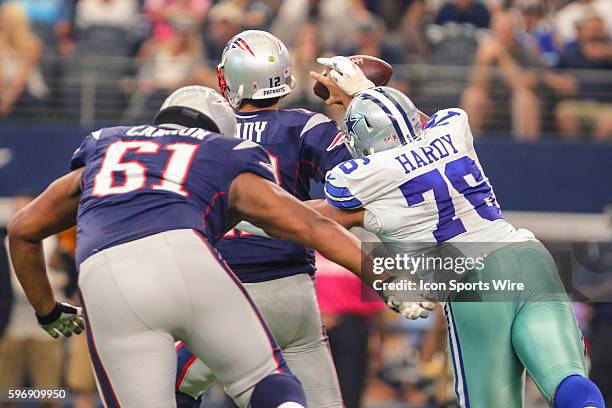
254, 65
199, 106
380, 119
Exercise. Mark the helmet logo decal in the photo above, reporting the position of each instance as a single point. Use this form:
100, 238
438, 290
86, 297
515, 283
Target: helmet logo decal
338, 140
391, 139
243, 45
351, 122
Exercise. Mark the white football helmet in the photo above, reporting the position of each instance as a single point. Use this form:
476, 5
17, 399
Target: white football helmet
380, 119
254, 65
198, 106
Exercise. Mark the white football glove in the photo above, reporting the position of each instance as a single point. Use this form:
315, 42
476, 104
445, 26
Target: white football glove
346, 74
410, 310
64, 319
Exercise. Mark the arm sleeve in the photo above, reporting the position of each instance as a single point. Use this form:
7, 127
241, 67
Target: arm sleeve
85, 151
322, 145
338, 193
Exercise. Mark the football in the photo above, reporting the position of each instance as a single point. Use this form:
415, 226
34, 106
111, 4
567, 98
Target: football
375, 69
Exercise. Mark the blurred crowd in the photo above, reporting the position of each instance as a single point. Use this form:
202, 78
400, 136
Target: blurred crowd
525, 68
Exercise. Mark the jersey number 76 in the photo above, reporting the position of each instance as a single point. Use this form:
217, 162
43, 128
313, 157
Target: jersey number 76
480, 196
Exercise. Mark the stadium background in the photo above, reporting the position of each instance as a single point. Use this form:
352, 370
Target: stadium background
534, 76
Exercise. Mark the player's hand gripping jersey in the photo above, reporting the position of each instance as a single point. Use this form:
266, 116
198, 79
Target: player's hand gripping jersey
303, 146
430, 190
165, 177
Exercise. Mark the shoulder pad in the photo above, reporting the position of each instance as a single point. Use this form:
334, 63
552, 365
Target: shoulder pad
315, 120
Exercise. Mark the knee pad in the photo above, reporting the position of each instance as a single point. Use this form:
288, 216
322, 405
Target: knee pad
278, 390
186, 401
576, 391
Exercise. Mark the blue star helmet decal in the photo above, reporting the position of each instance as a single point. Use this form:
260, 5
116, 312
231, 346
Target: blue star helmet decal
350, 123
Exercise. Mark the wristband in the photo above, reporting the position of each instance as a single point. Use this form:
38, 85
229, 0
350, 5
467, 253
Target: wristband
51, 316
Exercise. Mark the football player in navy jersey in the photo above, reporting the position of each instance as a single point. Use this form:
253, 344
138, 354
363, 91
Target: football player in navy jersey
149, 202
254, 73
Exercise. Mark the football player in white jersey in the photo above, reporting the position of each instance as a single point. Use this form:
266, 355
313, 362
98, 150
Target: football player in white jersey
410, 183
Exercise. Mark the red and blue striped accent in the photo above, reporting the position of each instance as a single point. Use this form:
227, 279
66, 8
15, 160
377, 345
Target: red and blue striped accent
461, 391
341, 197
105, 386
185, 360
402, 111
392, 118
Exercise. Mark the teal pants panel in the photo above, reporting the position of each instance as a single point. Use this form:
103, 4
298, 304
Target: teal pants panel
491, 343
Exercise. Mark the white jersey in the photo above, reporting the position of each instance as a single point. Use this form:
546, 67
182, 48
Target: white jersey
429, 191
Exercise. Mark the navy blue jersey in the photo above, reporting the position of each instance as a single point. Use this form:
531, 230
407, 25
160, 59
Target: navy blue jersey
303, 146
143, 180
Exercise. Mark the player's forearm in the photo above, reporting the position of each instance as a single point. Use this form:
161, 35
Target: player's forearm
339, 246
281, 215
53, 211
347, 218
335, 243
306, 226
29, 264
